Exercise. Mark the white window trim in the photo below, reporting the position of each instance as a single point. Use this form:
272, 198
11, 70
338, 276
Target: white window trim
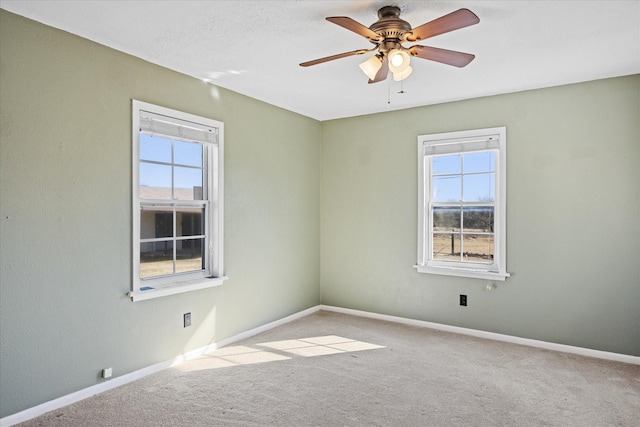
215, 221
440, 141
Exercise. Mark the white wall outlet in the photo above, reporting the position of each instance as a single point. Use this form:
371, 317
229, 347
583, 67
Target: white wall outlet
107, 372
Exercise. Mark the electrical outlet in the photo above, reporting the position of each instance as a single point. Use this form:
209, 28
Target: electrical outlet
187, 319
463, 300
107, 372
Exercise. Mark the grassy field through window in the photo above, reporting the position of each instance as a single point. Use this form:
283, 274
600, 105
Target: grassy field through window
162, 266
477, 248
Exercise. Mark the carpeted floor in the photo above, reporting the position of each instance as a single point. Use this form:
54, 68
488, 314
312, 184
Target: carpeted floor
330, 369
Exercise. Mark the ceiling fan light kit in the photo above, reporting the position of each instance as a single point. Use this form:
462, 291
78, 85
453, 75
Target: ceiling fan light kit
401, 75
398, 60
389, 32
371, 66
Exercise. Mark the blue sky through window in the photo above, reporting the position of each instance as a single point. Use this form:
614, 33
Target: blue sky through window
468, 177
158, 149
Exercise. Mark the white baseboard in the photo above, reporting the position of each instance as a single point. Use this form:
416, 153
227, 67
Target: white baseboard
616, 357
79, 395
60, 402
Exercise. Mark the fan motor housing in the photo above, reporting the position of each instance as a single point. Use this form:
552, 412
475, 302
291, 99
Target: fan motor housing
389, 25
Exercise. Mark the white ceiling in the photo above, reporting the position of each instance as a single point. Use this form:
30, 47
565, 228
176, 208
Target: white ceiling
254, 47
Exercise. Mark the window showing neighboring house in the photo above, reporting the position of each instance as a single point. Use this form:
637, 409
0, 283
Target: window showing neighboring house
177, 202
462, 204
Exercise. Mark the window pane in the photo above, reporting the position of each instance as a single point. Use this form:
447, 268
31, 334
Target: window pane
446, 247
478, 248
155, 223
446, 189
156, 259
189, 222
187, 153
478, 219
479, 187
446, 164
188, 183
479, 162
155, 181
189, 255
446, 219
155, 148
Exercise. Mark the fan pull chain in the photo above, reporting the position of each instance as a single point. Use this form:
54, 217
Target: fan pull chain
402, 87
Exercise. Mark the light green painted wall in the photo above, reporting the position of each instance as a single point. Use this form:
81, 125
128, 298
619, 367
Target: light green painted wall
573, 216
65, 199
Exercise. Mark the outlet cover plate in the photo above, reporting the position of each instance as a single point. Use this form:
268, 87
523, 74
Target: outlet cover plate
187, 319
463, 300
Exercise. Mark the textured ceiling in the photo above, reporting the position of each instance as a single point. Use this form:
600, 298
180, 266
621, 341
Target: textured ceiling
254, 47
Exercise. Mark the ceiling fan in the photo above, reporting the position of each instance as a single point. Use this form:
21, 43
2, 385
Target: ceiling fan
389, 32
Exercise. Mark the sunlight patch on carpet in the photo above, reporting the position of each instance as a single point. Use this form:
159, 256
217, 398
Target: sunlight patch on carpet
278, 350
320, 346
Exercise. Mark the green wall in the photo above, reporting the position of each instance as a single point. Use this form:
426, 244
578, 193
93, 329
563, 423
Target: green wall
573, 216
315, 213
65, 198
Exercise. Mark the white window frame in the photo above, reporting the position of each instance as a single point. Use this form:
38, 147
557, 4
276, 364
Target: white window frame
192, 127
490, 139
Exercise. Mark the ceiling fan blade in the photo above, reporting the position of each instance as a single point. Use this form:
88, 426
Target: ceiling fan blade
449, 57
332, 57
455, 20
382, 72
354, 26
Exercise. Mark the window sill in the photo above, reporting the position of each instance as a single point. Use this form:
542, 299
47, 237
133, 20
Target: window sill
459, 272
176, 288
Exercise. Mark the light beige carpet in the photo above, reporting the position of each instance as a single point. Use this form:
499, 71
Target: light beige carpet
331, 369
